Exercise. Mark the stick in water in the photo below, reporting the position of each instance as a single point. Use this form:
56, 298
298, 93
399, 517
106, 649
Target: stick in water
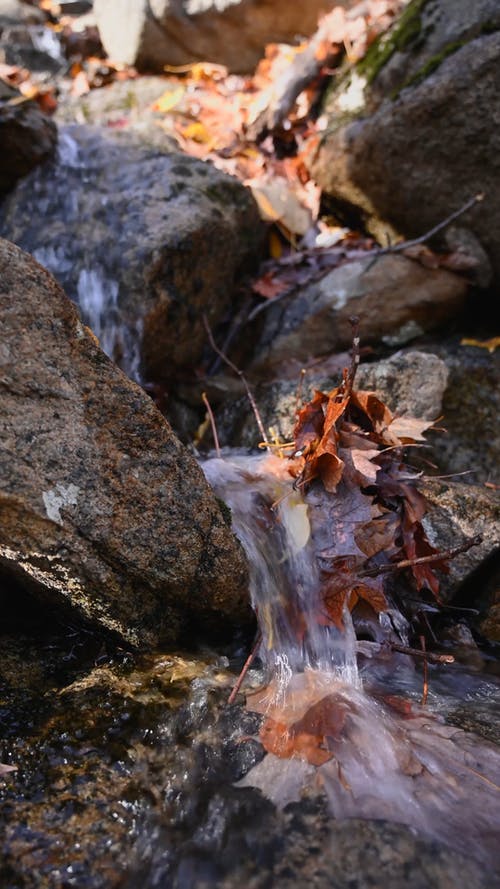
426, 673
429, 655
408, 563
212, 422
246, 666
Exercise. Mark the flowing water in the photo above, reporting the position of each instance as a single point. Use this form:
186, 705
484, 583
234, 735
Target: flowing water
380, 755
387, 756
89, 277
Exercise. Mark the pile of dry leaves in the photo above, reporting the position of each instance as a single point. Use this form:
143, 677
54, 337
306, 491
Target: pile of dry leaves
351, 447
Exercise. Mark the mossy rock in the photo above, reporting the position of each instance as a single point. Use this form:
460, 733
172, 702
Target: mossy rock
411, 136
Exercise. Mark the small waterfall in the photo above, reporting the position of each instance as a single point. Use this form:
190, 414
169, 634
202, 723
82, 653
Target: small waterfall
65, 194
374, 754
98, 302
285, 575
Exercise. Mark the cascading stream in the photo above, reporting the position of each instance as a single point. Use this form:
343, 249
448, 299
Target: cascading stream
321, 728
284, 571
95, 288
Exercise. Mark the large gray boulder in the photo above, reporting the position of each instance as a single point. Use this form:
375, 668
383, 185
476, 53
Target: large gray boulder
103, 513
457, 512
395, 297
413, 131
153, 34
146, 242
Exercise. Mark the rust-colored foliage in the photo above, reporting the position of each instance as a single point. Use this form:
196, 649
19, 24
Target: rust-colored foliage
309, 738
348, 441
341, 584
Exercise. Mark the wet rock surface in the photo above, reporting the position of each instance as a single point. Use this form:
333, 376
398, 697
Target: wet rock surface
157, 241
127, 764
232, 32
411, 136
103, 510
471, 406
136, 758
94, 756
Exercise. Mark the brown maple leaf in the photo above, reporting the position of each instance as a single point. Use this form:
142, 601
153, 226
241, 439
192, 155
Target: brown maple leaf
316, 438
310, 737
341, 586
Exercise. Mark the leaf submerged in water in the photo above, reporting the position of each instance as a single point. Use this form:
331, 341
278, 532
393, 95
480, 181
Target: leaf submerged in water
309, 738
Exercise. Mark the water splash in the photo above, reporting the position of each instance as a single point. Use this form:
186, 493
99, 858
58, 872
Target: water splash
378, 755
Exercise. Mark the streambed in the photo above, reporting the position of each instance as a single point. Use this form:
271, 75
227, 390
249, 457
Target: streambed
134, 770
127, 776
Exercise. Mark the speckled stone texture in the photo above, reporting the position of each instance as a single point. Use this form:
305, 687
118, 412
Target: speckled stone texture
102, 510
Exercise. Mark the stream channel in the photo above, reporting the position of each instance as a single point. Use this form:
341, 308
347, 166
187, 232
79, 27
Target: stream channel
177, 789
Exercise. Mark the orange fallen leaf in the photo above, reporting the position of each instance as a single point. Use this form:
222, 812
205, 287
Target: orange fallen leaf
310, 737
490, 344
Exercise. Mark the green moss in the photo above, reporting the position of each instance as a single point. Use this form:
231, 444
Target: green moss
226, 512
435, 61
430, 66
406, 31
490, 27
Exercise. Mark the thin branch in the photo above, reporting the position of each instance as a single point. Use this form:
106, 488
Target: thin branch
298, 394
243, 379
350, 374
409, 563
431, 657
374, 254
212, 422
423, 617
246, 666
425, 691
432, 478
414, 242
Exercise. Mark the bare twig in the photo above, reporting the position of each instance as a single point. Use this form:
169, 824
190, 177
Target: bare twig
212, 422
432, 478
246, 666
414, 242
423, 617
374, 254
425, 691
350, 373
431, 657
243, 379
409, 563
